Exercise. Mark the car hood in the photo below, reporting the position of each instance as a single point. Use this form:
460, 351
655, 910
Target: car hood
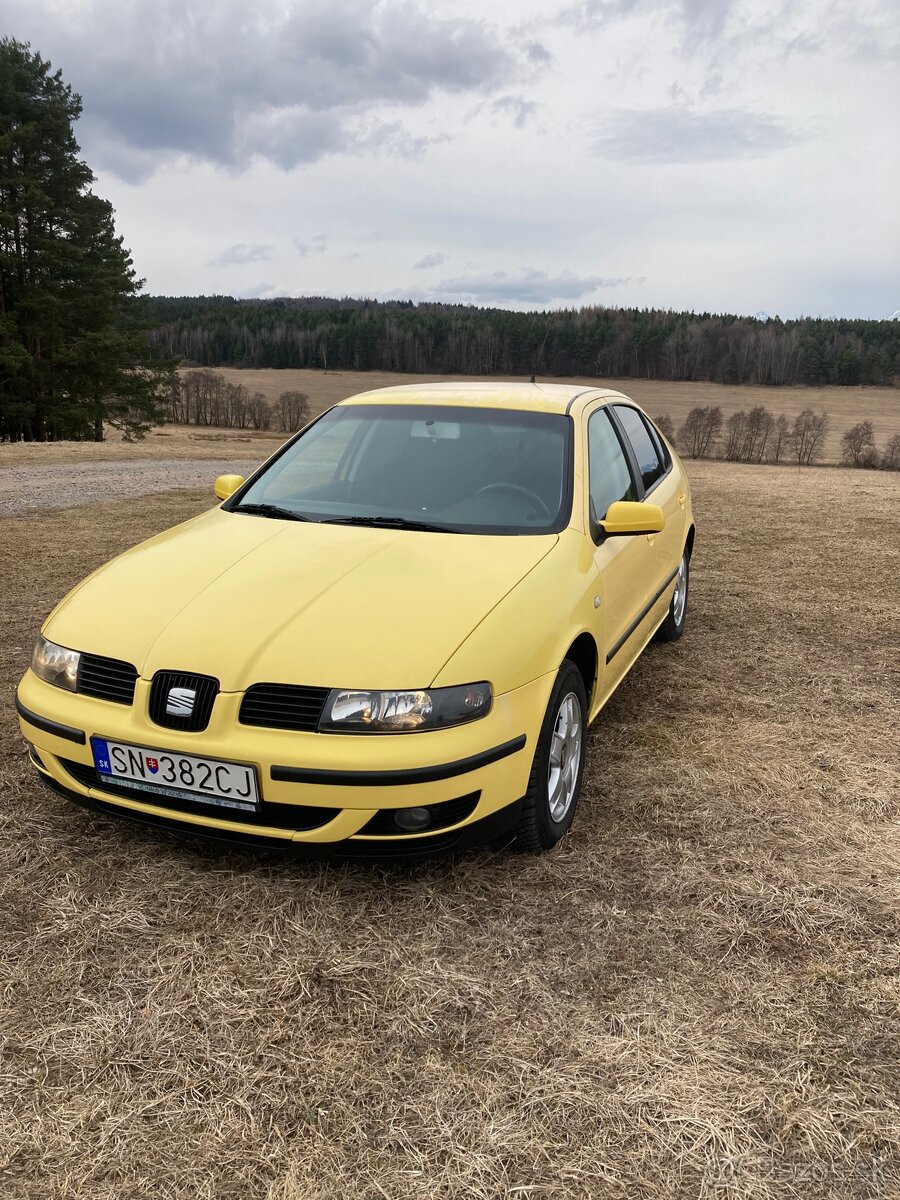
247, 599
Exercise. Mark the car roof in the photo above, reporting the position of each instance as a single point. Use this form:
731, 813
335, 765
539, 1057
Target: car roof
534, 397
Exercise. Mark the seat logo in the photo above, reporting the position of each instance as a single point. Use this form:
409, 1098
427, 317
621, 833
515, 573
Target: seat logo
180, 702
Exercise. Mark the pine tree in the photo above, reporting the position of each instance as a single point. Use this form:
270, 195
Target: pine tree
73, 354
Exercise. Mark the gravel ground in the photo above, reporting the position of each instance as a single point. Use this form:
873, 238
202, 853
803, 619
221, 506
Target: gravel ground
69, 485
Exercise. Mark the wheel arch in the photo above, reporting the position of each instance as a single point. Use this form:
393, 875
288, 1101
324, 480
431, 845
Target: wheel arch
584, 654
689, 542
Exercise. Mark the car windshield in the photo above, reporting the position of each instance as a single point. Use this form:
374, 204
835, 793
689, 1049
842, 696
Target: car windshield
439, 467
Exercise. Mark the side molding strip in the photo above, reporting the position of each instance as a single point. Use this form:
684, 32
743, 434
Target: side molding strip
634, 624
393, 778
48, 726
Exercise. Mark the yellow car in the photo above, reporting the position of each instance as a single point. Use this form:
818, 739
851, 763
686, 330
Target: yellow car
389, 641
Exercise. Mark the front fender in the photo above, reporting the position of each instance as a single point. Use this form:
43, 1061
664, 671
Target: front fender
528, 633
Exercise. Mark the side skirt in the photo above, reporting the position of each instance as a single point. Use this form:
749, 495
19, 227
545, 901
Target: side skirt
601, 704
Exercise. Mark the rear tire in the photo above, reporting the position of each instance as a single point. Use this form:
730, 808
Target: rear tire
673, 626
548, 808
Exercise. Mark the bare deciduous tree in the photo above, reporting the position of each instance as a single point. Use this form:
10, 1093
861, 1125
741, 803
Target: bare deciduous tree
858, 444
890, 460
700, 430
259, 411
666, 427
201, 397
778, 442
807, 438
736, 437
760, 423
290, 410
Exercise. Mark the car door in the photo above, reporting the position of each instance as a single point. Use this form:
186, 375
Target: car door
659, 482
624, 564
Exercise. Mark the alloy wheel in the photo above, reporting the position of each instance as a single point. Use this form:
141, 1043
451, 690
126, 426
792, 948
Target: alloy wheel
565, 756
679, 599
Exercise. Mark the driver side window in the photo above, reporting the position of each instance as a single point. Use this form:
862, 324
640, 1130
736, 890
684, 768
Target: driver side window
609, 474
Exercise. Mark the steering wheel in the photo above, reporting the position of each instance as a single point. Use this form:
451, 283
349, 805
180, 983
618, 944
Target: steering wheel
518, 490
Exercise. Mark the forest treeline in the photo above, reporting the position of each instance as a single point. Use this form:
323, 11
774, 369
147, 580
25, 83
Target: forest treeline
449, 339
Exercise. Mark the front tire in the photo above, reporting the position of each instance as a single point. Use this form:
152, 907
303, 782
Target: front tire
548, 808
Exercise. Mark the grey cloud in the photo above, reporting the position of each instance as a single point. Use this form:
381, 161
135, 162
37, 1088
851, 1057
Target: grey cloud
593, 14
315, 245
704, 19
527, 286
678, 135
537, 52
290, 136
723, 29
430, 260
391, 137
872, 38
240, 253
520, 110
220, 81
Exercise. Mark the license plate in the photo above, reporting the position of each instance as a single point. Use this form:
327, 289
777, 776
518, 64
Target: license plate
181, 776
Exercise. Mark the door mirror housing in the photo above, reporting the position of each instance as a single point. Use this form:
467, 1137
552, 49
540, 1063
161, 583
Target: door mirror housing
227, 485
629, 517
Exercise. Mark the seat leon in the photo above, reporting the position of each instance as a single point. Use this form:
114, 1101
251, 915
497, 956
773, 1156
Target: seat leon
389, 641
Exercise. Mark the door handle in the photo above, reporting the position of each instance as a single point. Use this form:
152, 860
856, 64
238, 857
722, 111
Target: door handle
682, 496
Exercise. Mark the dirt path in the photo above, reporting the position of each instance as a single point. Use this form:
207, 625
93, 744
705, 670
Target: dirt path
72, 484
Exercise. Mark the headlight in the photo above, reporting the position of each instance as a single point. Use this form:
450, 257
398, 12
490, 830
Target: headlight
398, 712
55, 664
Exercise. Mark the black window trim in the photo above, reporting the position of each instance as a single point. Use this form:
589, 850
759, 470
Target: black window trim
632, 457
665, 455
636, 482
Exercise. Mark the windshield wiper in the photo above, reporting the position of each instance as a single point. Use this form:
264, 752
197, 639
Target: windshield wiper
270, 510
390, 523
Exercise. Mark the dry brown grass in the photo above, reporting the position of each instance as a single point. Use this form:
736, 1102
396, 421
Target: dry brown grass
845, 406
167, 441
699, 988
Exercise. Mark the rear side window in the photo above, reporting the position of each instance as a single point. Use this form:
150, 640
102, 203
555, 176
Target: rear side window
646, 451
610, 476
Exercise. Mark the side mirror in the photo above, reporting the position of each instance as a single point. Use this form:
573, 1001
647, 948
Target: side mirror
227, 485
629, 517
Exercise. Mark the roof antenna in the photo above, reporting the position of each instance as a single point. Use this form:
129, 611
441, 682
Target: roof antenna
540, 354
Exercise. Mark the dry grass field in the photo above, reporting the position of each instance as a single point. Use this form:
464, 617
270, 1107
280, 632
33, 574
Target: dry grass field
845, 406
695, 996
165, 441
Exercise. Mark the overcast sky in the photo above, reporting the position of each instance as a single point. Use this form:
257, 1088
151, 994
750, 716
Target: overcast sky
703, 154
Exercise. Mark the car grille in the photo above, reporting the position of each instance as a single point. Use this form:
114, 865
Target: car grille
283, 706
206, 689
443, 815
106, 678
278, 816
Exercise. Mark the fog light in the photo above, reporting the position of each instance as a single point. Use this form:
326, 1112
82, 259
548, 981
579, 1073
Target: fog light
412, 820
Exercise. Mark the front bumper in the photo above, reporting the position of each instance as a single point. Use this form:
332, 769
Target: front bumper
331, 792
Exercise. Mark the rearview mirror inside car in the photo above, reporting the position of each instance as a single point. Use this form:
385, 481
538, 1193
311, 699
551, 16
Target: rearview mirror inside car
629, 517
227, 485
